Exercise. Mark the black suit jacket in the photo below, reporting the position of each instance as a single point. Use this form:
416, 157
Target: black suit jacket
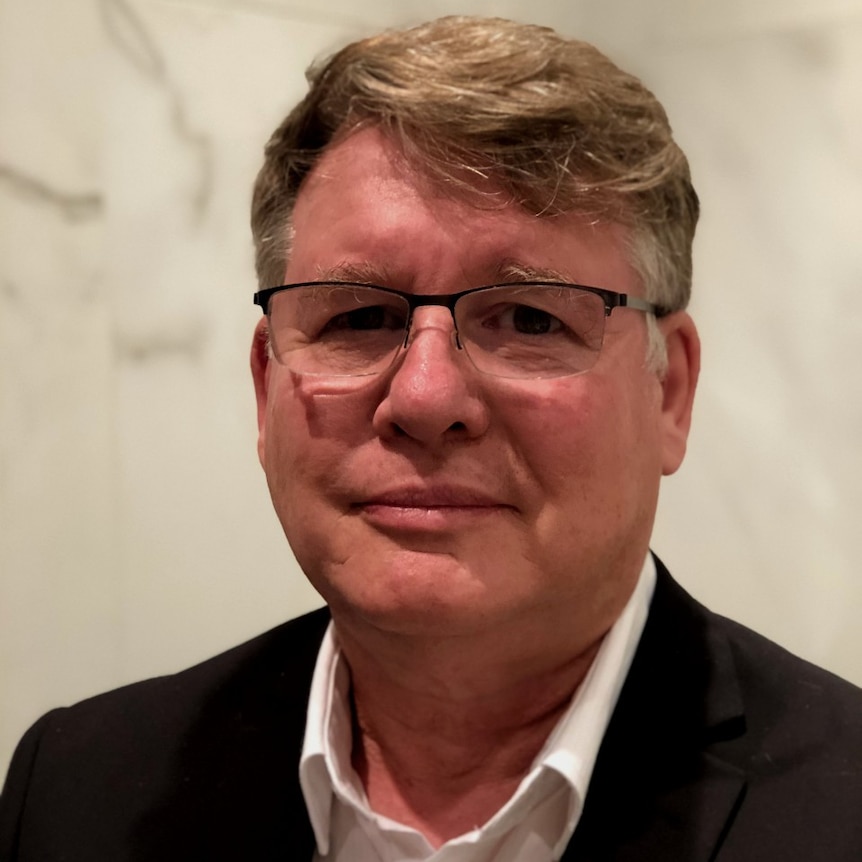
722, 747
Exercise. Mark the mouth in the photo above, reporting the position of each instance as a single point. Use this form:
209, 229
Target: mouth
442, 496
430, 509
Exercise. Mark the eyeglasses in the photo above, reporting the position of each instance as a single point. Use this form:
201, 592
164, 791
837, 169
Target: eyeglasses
523, 330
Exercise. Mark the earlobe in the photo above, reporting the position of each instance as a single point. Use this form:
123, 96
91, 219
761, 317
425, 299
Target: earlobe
678, 386
260, 360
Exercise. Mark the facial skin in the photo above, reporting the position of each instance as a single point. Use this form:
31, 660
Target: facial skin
433, 499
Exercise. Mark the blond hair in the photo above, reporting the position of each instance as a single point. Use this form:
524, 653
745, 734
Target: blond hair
552, 122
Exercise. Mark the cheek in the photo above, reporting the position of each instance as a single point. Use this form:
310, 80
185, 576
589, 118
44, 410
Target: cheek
311, 429
589, 448
555, 429
589, 444
311, 434
305, 416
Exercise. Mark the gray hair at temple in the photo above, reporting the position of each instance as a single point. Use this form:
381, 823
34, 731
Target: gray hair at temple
551, 122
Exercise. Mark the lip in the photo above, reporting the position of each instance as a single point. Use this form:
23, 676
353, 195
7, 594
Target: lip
440, 507
436, 496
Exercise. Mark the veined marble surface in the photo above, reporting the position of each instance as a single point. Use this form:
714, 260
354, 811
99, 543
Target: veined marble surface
136, 533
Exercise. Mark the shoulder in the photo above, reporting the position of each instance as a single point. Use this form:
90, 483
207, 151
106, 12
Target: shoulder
792, 730
217, 738
799, 717
728, 736
767, 676
800, 749
779, 690
764, 666
782, 720
279, 661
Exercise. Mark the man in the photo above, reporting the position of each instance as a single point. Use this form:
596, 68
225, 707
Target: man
474, 366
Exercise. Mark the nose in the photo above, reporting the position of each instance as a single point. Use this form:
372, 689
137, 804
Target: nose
432, 394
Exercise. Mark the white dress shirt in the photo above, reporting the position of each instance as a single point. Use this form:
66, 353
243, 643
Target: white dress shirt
535, 825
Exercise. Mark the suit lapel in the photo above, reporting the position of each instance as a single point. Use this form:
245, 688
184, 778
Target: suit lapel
666, 783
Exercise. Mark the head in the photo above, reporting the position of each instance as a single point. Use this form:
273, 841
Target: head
431, 497
551, 122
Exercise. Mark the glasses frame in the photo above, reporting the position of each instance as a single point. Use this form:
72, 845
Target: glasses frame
610, 298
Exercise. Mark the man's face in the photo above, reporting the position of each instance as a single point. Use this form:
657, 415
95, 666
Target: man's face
432, 497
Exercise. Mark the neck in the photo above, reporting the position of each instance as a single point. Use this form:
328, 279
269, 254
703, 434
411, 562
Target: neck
441, 739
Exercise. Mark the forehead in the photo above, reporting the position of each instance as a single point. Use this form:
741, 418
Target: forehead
365, 208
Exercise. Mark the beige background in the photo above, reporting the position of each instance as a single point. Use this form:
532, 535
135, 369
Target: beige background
136, 535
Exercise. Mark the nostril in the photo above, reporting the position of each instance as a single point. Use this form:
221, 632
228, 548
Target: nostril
398, 431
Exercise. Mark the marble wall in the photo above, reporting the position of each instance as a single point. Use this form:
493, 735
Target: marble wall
136, 534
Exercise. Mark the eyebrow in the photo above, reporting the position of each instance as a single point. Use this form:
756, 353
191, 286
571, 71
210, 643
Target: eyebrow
362, 273
515, 270
509, 270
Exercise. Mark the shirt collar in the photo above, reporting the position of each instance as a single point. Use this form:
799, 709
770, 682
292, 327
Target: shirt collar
570, 751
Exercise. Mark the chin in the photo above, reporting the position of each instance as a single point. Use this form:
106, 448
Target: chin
439, 596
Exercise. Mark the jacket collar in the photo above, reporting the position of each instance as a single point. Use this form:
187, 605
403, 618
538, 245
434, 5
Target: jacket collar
666, 784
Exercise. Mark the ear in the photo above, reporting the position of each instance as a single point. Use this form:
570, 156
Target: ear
260, 361
678, 386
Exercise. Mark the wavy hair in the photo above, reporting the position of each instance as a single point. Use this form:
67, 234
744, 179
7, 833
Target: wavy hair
552, 122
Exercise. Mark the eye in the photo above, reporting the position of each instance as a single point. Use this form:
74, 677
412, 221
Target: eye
525, 320
365, 319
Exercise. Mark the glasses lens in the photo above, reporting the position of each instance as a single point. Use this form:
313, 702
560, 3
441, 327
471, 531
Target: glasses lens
531, 331
337, 330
